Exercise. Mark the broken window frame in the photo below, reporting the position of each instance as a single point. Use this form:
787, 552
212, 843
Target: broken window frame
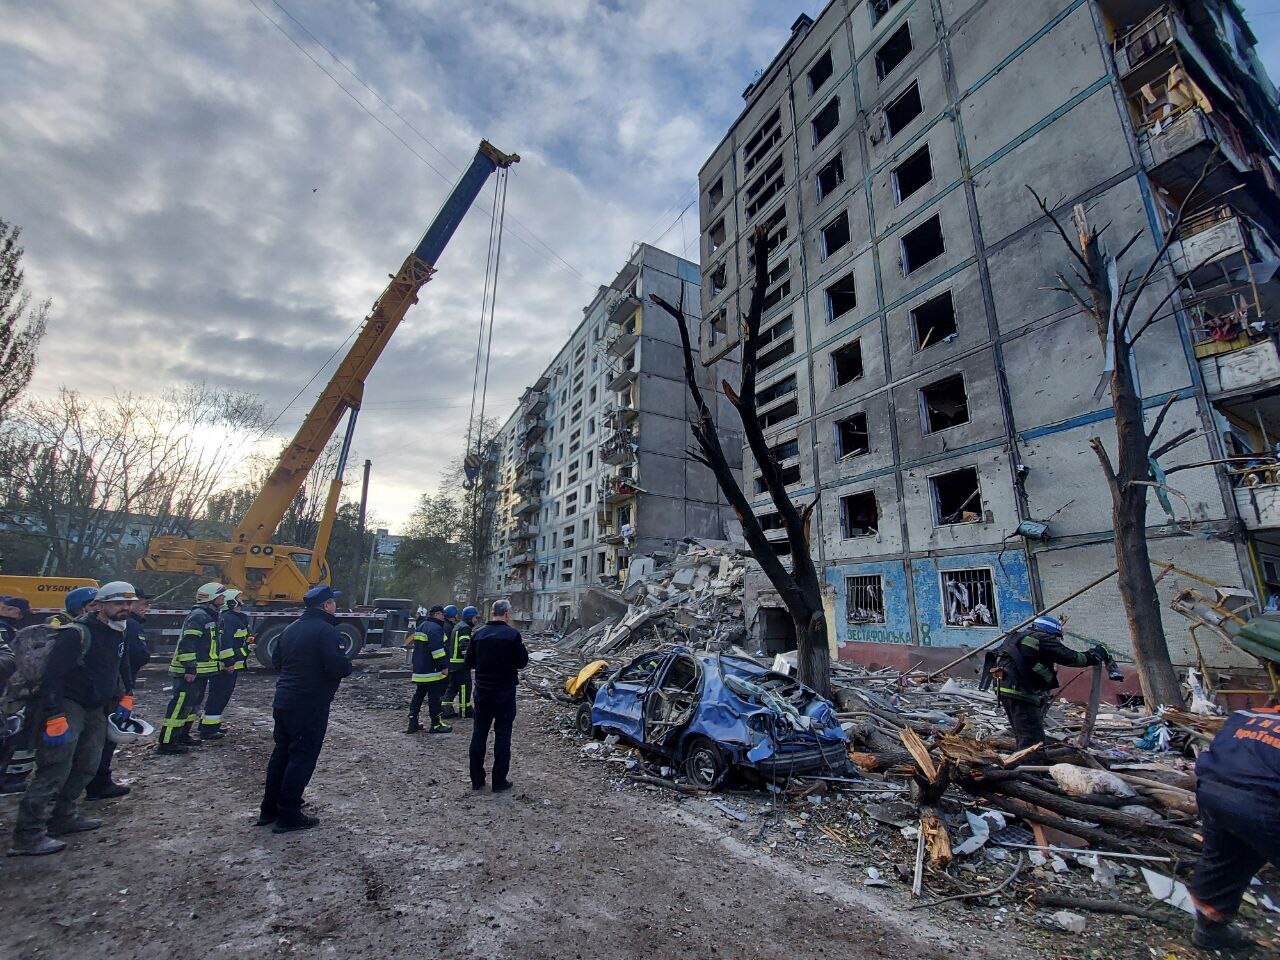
766, 137
971, 504
929, 339
825, 67
840, 433
978, 588
791, 475
780, 414
823, 125
879, 9
836, 235
910, 94
926, 418
835, 167
899, 195
906, 240
715, 194
852, 291
883, 70
776, 390
853, 352
869, 599
716, 236
847, 520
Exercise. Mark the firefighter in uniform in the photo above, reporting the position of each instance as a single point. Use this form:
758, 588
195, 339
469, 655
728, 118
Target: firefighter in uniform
233, 654
459, 686
1026, 675
430, 670
195, 660
1238, 794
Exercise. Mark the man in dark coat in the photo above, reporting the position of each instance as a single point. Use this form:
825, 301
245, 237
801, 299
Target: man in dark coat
134, 655
310, 663
495, 656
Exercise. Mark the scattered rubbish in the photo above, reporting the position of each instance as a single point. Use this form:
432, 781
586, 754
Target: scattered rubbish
874, 879
1070, 922
1168, 890
1082, 782
729, 812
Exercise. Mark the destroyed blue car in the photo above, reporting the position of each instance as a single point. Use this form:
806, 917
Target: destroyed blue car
711, 714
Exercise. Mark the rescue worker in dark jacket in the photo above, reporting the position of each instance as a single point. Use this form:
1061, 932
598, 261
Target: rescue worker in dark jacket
1026, 675
195, 660
17, 751
496, 656
134, 655
81, 683
310, 664
233, 654
459, 687
430, 670
1238, 793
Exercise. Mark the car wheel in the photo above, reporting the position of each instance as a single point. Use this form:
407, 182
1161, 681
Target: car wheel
704, 764
266, 642
352, 639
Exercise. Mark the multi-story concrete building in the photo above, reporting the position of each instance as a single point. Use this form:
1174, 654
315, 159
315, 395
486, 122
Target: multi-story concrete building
915, 372
593, 466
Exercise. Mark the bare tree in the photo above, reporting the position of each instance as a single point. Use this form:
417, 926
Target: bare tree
22, 324
800, 587
1111, 301
479, 510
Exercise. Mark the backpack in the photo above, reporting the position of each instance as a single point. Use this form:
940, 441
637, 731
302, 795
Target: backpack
31, 649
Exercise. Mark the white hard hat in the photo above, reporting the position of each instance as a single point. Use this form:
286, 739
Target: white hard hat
233, 596
116, 590
422, 611
128, 730
209, 591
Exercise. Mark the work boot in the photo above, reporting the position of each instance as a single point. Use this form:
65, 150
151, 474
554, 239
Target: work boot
1219, 936
175, 747
76, 824
38, 846
186, 740
266, 819
206, 735
441, 727
299, 822
502, 787
105, 791
414, 726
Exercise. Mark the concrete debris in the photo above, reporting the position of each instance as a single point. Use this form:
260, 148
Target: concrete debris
1070, 922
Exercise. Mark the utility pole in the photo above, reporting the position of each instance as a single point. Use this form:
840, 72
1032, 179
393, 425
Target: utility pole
368, 580
364, 502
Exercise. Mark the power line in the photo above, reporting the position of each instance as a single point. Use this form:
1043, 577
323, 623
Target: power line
448, 179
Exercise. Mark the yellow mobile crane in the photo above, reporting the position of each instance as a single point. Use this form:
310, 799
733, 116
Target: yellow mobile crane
273, 576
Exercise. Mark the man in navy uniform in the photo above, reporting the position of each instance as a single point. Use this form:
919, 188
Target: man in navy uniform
430, 670
310, 663
496, 654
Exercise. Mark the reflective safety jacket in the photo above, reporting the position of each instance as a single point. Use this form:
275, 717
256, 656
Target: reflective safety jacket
458, 644
197, 650
430, 656
234, 643
1027, 661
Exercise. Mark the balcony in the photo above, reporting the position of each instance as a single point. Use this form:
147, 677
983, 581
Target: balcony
620, 490
526, 505
1176, 148
535, 452
533, 430
621, 380
1148, 51
622, 308
521, 559
1259, 506
1215, 243
1246, 365
620, 416
621, 344
531, 476
618, 448
533, 402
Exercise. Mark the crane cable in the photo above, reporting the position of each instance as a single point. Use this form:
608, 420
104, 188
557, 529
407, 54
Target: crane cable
484, 337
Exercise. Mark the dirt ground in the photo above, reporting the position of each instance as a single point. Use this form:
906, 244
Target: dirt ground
409, 862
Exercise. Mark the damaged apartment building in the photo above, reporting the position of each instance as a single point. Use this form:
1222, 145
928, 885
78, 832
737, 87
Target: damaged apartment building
593, 467
916, 373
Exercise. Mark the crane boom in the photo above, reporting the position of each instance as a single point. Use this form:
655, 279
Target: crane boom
249, 561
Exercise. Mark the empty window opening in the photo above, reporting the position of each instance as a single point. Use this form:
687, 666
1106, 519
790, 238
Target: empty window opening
776, 354
762, 141
716, 235
879, 8
786, 450
781, 547
956, 497
719, 279
820, 73
913, 173
776, 391
846, 363
852, 436
841, 297
827, 120
864, 599
922, 245
945, 403
777, 331
969, 598
779, 414
859, 515
765, 187
835, 235
770, 521
790, 477
778, 230
893, 51
831, 175
934, 321
715, 194
777, 295
902, 109
717, 328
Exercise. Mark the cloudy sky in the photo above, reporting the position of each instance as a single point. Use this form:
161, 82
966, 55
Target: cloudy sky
203, 203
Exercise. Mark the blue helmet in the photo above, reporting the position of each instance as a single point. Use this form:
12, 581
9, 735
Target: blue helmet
1050, 625
451, 612
79, 598
468, 613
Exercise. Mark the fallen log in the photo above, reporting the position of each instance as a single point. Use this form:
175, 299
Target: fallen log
1104, 906
1095, 836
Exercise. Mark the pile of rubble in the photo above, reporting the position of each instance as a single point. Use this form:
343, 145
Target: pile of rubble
693, 598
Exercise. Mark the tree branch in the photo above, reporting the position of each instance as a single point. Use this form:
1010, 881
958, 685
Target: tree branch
1057, 225
1105, 460
1171, 445
1164, 412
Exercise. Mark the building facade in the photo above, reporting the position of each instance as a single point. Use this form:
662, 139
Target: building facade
593, 466
918, 375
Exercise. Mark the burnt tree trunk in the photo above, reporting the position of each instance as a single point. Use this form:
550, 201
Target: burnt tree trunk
800, 587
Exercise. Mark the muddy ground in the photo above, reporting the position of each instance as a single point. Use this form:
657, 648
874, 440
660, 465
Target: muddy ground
409, 862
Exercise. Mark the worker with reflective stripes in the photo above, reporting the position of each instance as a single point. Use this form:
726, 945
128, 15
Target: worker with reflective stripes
233, 653
430, 670
195, 660
459, 687
1026, 675
1238, 794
